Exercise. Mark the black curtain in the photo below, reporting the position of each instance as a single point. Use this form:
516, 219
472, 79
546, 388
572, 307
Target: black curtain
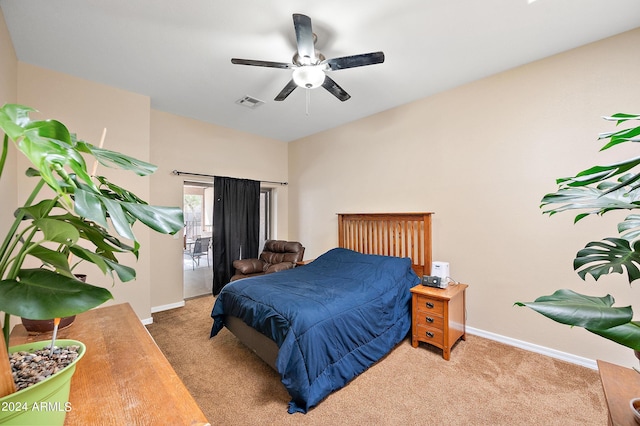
236, 225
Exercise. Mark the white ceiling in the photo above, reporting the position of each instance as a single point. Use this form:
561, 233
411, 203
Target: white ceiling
179, 52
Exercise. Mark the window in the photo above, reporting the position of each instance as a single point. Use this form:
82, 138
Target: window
198, 209
198, 220
265, 217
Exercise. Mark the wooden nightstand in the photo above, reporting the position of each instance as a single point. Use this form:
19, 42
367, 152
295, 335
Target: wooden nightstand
438, 316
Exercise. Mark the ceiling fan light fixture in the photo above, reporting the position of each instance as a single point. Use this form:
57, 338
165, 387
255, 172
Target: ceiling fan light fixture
309, 76
310, 67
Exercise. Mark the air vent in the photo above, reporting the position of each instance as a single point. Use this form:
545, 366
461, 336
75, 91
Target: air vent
249, 102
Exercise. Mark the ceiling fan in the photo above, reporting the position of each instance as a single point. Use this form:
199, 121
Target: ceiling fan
310, 66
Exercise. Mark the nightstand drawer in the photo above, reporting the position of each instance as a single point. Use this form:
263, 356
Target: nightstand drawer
427, 304
430, 335
429, 320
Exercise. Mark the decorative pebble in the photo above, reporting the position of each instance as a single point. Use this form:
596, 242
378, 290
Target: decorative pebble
31, 368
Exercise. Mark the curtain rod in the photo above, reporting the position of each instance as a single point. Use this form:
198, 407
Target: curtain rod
178, 173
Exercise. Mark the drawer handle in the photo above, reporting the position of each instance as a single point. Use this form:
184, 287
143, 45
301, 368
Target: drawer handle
429, 334
429, 305
429, 319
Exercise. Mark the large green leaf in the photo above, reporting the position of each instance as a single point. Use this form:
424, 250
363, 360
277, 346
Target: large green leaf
612, 255
116, 192
117, 160
88, 205
125, 208
571, 308
626, 334
106, 246
166, 220
621, 117
629, 229
119, 219
628, 135
55, 259
595, 314
621, 136
39, 210
52, 130
594, 200
57, 231
600, 173
125, 273
106, 265
43, 294
12, 119
47, 144
98, 236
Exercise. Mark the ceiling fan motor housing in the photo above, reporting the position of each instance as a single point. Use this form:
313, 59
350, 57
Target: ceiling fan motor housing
310, 66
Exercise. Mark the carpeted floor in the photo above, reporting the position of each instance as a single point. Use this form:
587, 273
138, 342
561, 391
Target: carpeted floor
484, 383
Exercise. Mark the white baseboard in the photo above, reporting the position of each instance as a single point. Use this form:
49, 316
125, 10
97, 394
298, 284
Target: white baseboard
155, 309
161, 308
574, 359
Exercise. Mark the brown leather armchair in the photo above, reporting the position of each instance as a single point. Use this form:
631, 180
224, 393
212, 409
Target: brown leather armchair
277, 255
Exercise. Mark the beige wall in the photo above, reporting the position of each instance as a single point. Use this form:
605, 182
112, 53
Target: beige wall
188, 145
88, 108
8, 94
481, 157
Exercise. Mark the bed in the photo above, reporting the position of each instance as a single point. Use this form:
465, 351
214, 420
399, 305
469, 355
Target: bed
322, 324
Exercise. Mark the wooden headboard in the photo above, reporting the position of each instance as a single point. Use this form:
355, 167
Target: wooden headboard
389, 234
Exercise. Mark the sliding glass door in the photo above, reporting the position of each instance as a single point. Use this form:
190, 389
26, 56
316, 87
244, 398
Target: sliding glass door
197, 256
198, 218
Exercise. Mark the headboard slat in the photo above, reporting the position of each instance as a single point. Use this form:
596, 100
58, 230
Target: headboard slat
389, 234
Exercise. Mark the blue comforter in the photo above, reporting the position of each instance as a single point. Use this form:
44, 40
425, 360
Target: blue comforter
332, 319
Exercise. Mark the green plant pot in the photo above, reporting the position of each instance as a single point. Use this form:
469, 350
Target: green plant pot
45, 403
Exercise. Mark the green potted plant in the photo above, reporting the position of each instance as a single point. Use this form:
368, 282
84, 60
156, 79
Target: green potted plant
79, 218
596, 191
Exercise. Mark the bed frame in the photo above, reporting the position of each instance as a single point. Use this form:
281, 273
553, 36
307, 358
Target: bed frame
387, 234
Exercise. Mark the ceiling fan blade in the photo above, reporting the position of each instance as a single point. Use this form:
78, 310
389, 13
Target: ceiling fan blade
286, 91
258, 63
355, 61
334, 89
304, 38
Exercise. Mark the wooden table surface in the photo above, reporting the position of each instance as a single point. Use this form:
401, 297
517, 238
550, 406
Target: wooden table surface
123, 379
620, 385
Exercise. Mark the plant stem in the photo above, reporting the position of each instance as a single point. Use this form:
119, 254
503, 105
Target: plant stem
18, 220
6, 328
22, 253
5, 151
6, 260
4, 253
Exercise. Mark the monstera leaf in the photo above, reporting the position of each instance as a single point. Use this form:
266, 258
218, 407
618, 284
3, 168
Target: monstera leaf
596, 191
600, 173
629, 229
82, 222
66, 230
595, 314
43, 294
595, 200
612, 255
